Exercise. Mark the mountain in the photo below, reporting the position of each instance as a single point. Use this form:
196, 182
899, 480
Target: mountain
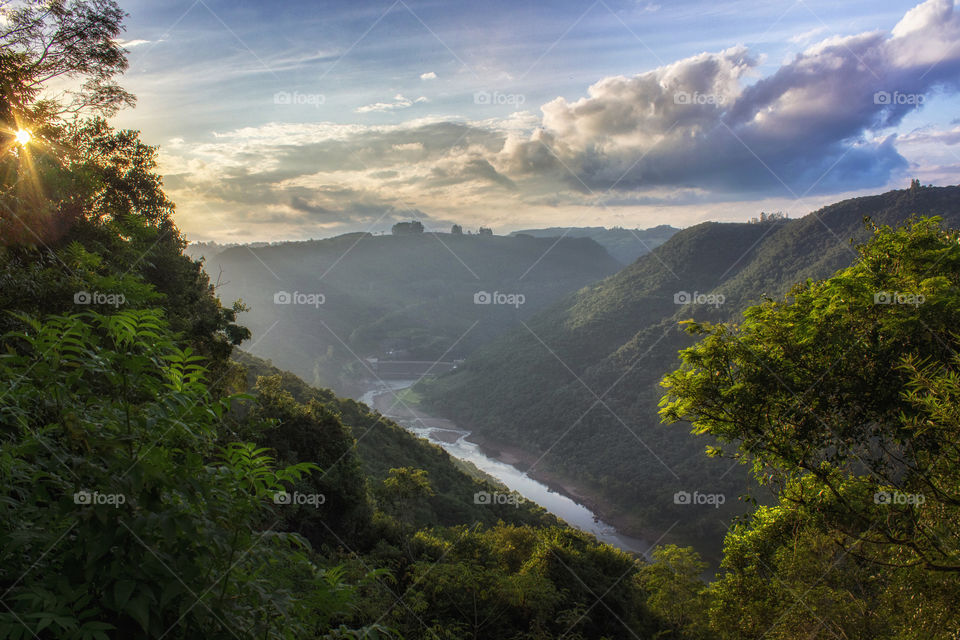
576, 389
626, 245
320, 308
209, 250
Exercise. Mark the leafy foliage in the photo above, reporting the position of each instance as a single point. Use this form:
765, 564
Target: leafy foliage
42, 40
123, 509
537, 389
842, 397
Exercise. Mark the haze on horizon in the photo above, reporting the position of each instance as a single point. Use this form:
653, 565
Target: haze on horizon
292, 121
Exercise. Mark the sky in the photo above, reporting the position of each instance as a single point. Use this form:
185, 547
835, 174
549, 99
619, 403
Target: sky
294, 120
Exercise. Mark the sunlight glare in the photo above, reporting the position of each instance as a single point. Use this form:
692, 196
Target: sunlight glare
23, 137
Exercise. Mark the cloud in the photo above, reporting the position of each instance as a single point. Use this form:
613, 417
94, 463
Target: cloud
429, 75
334, 176
807, 36
817, 124
129, 44
928, 135
399, 102
355, 212
699, 132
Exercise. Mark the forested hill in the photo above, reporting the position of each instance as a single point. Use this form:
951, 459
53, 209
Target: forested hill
626, 245
404, 297
579, 384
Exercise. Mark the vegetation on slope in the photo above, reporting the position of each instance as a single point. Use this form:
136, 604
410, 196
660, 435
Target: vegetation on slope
843, 399
625, 245
145, 495
578, 384
404, 297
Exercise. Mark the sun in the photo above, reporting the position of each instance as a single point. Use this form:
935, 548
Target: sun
23, 137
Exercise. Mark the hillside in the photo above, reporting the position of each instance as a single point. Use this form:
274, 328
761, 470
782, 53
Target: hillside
577, 389
625, 245
381, 445
408, 298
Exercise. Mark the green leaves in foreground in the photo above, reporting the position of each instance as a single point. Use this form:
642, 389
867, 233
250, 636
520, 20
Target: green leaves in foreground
844, 397
126, 512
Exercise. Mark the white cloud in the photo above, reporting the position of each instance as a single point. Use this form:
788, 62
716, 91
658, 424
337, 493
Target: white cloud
817, 123
129, 44
429, 75
691, 136
399, 102
807, 36
948, 137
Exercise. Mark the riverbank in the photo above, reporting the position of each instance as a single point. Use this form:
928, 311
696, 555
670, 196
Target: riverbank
524, 460
626, 530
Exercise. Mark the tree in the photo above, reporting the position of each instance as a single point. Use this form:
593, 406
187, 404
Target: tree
125, 511
456, 230
485, 231
46, 40
403, 489
844, 397
402, 492
407, 228
676, 593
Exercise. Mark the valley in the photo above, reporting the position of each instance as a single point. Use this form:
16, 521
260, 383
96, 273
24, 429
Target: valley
479, 321
563, 501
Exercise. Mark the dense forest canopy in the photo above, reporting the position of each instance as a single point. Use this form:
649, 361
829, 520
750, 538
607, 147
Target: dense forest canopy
156, 483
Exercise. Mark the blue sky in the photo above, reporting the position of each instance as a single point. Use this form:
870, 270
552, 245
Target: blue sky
290, 120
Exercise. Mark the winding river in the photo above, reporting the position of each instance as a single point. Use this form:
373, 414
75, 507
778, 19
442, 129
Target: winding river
454, 441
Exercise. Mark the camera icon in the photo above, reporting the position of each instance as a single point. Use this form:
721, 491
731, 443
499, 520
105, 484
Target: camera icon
882, 97
82, 297
681, 497
482, 297
481, 97
482, 497
883, 297
882, 497
682, 97
82, 497
282, 297
682, 297
282, 97
282, 497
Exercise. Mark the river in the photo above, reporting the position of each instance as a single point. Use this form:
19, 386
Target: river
454, 440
